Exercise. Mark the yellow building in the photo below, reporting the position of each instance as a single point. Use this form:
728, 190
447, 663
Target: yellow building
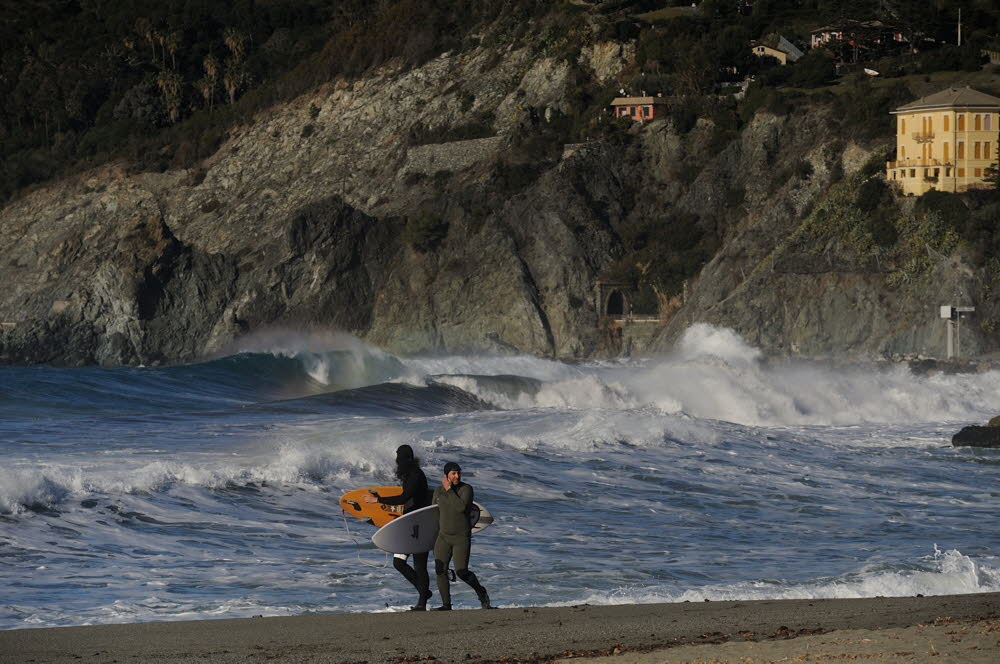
945, 141
778, 48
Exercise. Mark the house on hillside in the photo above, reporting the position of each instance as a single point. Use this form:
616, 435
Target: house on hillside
640, 109
854, 36
778, 48
945, 141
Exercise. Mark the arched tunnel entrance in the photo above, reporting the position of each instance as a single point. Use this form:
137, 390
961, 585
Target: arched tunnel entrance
616, 304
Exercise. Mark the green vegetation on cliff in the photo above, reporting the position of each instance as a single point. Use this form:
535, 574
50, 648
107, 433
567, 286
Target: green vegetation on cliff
861, 223
159, 82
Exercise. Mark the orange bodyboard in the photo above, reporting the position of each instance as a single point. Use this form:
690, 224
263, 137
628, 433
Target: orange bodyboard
353, 503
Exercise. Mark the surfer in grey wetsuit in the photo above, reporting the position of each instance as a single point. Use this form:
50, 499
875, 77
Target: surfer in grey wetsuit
415, 495
454, 540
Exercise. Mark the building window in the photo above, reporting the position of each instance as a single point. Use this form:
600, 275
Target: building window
989, 118
947, 153
937, 172
979, 122
961, 121
946, 123
986, 150
978, 172
649, 111
913, 172
902, 126
947, 172
961, 172
961, 150
977, 150
902, 152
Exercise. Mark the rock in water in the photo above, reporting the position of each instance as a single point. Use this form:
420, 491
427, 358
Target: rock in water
976, 436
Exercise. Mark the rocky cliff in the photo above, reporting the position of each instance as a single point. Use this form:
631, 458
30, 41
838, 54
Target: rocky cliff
299, 220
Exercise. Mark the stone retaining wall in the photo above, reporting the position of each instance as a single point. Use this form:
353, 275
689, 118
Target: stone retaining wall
452, 157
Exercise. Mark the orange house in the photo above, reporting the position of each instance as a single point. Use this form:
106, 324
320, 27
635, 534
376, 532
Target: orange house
640, 109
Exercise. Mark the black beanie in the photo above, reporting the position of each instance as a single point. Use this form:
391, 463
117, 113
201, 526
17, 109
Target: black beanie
450, 466
404, 453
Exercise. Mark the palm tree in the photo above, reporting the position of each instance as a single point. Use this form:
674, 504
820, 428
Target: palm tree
236, 41
234, 77
173, 43
170, 85
208, 84
144, 28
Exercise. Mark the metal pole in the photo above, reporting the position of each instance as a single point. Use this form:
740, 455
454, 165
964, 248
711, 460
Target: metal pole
951, 345
958, 337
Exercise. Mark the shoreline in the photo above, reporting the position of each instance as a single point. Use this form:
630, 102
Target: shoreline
633, 634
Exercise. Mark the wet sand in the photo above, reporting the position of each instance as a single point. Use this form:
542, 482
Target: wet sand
954, 628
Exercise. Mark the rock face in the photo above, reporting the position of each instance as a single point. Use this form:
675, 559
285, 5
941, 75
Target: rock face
130, 292
976, 436
298, 220
795, 299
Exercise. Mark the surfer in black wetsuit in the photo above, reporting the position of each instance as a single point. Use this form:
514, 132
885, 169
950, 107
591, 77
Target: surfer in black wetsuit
454, 540
415, 495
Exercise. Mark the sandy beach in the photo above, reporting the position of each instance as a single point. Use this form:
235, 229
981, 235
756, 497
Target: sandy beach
957, 628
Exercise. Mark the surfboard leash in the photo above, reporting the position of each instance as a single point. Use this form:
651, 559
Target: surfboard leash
357, 546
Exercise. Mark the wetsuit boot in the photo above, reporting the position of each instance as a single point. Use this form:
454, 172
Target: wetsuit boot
471, 579
420, 581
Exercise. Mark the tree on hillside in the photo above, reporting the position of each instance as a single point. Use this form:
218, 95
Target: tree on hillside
172, 42
234, 78
236, 41
812, 70
171, 87
991, 174
144, 28
208, 84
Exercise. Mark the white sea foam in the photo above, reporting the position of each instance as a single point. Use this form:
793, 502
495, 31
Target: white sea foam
575, 392
713, 373
702, 341
24, 487
944, 573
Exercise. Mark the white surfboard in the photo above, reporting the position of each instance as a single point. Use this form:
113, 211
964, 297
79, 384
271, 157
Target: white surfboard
416, 531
